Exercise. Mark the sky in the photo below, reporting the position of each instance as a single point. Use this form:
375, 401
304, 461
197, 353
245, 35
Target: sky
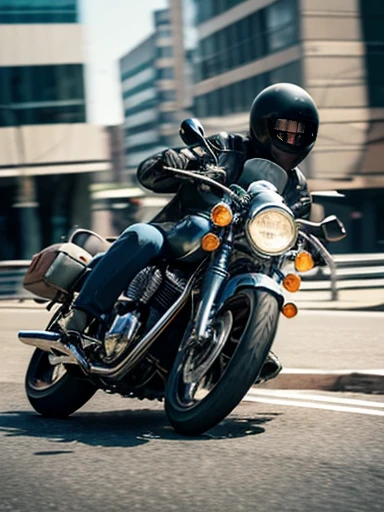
112, 28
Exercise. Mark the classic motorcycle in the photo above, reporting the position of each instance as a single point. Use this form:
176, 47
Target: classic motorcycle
194, 332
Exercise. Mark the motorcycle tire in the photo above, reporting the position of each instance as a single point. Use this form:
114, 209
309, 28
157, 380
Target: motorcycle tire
53, 394
257, 332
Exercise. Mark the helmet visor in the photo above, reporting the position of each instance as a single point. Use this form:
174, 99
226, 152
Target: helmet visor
297, 134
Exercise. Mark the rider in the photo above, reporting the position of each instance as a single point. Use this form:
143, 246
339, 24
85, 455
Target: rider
283, 128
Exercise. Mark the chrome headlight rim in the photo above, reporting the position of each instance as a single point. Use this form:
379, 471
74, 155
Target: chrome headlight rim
275, 209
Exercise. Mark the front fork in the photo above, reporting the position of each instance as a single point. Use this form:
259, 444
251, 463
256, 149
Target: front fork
216, 275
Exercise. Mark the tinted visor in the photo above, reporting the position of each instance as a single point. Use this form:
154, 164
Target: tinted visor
297, 134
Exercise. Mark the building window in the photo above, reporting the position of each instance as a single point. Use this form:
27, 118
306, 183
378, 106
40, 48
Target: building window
164, 52
165, 74
38, 11
238, 96
162, 17
372, 14
207, 9
164, 33
167, 117
282, 24
33, 93
21, 84
288, 73
167, 95
265, 31
46, 114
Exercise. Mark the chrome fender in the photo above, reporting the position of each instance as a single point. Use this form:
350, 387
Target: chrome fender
251, 280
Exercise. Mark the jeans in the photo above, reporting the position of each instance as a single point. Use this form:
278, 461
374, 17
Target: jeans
136, 248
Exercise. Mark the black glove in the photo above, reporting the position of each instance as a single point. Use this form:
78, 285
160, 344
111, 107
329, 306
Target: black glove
172, 158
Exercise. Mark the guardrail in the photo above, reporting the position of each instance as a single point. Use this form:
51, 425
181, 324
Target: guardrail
350, 271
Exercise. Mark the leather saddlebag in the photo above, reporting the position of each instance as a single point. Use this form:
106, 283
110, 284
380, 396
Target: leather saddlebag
54, 270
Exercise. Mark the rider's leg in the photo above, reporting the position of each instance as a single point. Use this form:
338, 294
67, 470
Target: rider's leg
136, 247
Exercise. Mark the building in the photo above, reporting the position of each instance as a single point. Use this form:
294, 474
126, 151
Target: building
47, 149
152, 77
334, 49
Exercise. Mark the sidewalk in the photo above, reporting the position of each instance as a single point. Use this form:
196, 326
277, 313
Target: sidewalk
358, 300
363, 375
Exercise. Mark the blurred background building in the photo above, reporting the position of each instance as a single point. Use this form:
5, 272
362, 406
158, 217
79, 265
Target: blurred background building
47, 149
334, 49
204, 58
153, 89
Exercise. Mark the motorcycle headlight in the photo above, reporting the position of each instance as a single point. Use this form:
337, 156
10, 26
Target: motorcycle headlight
272, 231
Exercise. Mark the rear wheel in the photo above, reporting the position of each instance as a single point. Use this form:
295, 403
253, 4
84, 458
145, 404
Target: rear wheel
51, 389
206, 384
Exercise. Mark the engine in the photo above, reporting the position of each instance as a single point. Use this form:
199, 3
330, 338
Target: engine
157, 288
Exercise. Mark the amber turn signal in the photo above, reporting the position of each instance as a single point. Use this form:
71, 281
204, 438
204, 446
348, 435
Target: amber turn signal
221, 215
304, 262
289, 310
292, 282
210, 242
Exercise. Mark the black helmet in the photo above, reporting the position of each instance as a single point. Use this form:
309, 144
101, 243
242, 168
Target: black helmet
283, 124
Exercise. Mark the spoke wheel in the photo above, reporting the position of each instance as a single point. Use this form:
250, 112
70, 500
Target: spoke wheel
206, 383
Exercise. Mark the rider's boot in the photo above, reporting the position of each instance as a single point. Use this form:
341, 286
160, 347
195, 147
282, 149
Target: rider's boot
77, 320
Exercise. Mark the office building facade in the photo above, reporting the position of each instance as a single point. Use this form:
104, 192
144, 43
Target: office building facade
333, 49
47, 149
152, 77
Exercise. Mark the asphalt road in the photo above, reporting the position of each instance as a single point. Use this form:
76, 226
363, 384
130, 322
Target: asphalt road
286, 451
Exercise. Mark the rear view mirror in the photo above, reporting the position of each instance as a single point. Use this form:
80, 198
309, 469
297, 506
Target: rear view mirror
192, 132
333, 229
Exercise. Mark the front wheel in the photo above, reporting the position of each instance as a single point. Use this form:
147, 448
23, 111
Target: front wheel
205, 386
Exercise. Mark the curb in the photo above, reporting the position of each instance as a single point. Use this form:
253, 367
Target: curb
354, 381
338, 306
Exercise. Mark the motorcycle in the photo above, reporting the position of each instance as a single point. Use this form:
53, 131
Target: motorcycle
194, 332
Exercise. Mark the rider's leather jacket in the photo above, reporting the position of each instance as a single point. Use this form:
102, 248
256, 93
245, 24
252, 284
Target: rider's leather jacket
232, 151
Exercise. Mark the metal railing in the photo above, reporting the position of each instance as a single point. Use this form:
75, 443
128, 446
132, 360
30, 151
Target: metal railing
350, 271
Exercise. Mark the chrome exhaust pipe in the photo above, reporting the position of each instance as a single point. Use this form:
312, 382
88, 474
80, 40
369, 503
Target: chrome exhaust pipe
51, 342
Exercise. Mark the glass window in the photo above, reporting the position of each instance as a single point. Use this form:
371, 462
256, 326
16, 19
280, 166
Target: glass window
49, 114
164, 32
282, 26
165, 74
33, 94
38, 11
44, 83
207, 9
288, 73
167, 95
164, 52
167, 117
200, 106
162, 17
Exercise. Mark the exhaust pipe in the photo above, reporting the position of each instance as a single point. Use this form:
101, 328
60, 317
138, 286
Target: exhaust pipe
51, 342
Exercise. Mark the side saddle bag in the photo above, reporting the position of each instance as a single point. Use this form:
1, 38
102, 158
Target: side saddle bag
54, 270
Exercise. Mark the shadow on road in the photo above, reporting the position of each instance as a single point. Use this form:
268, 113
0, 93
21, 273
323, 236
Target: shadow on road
119, 428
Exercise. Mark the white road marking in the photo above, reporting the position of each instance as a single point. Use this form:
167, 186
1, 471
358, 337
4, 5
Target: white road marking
313, 402
315, 398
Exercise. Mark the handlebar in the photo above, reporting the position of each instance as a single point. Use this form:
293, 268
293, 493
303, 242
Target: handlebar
207, 180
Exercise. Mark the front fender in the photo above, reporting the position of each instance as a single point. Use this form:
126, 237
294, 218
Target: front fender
251, 280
